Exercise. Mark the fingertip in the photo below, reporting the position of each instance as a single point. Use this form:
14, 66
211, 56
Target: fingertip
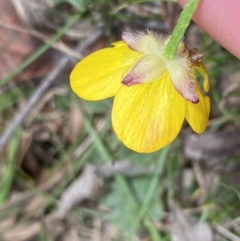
220, 19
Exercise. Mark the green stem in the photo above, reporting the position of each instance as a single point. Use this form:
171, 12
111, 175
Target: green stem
185, 17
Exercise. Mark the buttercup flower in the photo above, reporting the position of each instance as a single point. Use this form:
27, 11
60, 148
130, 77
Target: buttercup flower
153, 95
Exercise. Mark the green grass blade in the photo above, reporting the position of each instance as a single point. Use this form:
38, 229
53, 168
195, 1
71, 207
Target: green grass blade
7, 178
152, 188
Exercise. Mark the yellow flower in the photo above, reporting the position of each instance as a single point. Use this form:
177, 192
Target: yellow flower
153, 95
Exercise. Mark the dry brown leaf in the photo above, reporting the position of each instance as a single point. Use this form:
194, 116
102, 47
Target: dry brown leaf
123, 167
99, 44
72, 235
27, 158
16, 47
32, 13
183, 229
170, 11
24, 232
216, 151
71, 130
212, 146
36, 203
7, 223
85, 187
230, 87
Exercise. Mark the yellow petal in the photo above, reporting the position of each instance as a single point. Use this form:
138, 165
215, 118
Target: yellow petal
99, 75
147, 117
197, 114
119, 43
201, 68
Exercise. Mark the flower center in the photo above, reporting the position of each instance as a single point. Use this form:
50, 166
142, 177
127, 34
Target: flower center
153, 66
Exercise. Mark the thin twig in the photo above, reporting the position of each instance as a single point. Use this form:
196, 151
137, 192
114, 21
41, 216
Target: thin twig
235, 224
45, 84
227, 234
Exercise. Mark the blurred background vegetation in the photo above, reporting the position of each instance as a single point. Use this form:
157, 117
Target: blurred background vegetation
63, 173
